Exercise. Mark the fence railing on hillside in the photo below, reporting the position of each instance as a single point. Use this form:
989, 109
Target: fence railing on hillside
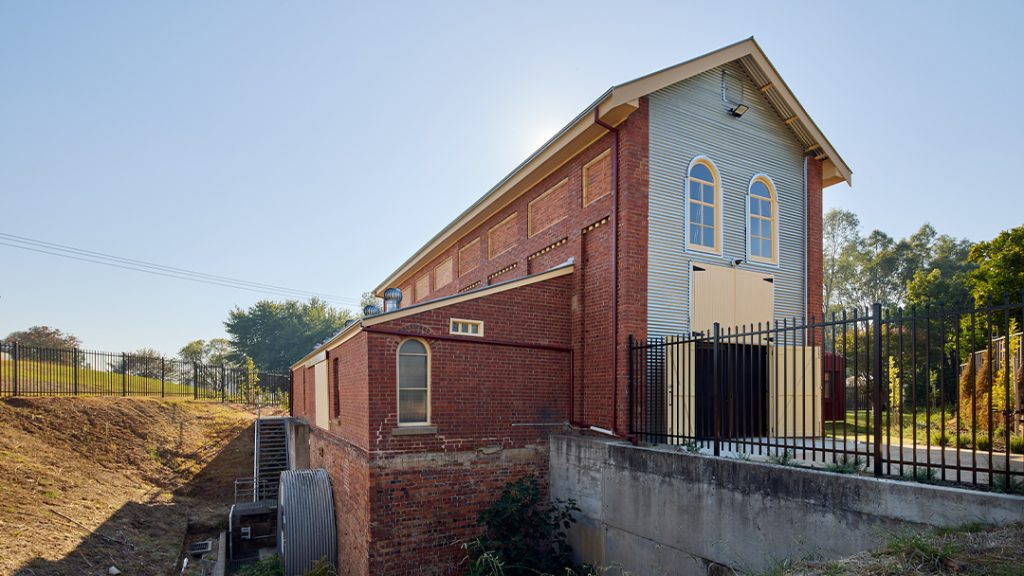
914, 405
35, 371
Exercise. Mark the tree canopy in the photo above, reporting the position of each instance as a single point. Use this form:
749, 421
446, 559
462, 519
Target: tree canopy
276, 334
44, 337
213, 351
998, 266
925, 268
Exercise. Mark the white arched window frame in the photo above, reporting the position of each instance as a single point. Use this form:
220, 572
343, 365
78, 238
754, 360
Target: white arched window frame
413, 382
762, 220
703, 206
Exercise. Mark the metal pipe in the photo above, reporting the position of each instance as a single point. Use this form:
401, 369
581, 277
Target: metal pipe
615, 266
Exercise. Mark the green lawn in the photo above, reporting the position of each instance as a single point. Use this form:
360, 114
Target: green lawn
917, 428
36, 377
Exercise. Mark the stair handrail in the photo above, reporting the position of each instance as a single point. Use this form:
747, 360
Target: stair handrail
256, 450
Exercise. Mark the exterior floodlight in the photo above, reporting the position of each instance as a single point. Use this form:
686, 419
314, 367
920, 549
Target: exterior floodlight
739, 110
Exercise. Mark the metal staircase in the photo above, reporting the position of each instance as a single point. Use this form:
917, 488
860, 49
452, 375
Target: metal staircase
271, 457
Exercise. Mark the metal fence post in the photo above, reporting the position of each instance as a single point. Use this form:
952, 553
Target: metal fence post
715, 396
14, 357
223, 383
876, 312
75, 361
124, 374
195, 380
163, 375
629, 390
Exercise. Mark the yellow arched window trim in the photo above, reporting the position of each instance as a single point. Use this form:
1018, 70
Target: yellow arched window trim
762, 220
703, 206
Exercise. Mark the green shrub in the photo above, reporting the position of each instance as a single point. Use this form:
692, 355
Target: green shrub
1017, 444
963, 441
322, 568
983, 443
270, 567
523, 534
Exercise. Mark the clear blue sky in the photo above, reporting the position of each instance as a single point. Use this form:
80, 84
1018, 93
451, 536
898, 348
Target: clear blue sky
267, 140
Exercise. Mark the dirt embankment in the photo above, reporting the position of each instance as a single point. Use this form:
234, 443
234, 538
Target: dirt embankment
90, 483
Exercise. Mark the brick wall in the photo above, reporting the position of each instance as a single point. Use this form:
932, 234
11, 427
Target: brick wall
633, 204
353, 420
425, 506
482, 395
814, 231
349, 469
299, 400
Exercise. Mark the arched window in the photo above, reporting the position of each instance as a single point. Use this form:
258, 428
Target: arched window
762, 230
413, 383
703, 206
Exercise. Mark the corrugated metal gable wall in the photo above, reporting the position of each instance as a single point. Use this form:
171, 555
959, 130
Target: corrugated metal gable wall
690, 119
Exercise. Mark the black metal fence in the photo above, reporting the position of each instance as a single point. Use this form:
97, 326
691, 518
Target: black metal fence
35, 371
891, 392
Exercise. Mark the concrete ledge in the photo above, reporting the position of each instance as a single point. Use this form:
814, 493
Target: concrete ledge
413, 430
660, 511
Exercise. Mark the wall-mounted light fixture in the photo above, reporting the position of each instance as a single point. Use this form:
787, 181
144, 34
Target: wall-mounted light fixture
739, 110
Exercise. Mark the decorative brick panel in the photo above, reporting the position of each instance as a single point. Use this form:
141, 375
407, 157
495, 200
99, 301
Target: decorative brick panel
444, 273
597, 178
548, 209
502, 237
469, 257
422, 288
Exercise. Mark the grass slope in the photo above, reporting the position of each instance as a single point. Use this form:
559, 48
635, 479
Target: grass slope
971, 550
35, 377
96, 482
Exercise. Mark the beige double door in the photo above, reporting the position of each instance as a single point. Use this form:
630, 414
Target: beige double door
739, 300
732, 297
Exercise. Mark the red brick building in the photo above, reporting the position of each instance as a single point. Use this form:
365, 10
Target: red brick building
666, 203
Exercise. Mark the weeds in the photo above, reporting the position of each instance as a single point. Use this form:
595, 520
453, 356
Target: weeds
922, 475
784, 459
917, 548
968, 528
847, 465
691, 447
1007, 485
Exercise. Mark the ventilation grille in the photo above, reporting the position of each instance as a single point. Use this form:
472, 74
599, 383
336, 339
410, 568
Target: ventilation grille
197, 548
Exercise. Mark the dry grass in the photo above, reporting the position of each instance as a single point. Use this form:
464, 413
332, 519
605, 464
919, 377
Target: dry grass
970, 550
95, 482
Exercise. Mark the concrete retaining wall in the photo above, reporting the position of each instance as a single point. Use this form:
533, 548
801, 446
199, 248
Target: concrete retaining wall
658, 511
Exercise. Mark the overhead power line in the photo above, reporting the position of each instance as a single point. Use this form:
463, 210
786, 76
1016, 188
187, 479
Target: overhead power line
111, 260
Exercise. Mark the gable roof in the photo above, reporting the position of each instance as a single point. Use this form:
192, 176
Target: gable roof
613, 107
